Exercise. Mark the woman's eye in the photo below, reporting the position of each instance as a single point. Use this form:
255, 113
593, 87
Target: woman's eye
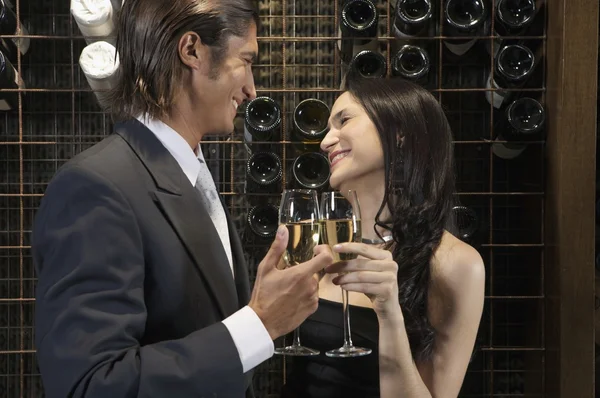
344, 120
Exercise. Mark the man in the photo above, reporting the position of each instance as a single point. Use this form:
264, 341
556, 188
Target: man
142, 286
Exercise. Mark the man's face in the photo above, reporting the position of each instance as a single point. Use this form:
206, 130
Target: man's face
222, 88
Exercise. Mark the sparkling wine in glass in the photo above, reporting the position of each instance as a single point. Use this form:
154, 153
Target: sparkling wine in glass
299, 212
340, 223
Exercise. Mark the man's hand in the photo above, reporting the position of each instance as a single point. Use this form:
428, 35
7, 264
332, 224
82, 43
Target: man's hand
283, 299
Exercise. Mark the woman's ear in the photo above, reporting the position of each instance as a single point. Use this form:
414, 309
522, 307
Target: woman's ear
399, 141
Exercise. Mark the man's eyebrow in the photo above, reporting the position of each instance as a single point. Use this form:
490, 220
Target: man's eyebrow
252, 54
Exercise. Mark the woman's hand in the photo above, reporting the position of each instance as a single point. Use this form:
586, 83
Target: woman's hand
376, 275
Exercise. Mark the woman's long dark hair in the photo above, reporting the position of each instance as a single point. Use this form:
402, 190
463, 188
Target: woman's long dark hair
419, 174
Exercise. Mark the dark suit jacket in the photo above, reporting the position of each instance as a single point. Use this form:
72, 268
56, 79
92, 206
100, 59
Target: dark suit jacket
133, 279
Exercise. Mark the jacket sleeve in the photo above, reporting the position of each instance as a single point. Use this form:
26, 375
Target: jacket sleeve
90, 310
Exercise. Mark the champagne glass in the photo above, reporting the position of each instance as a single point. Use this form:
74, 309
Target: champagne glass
340, 222
299, 212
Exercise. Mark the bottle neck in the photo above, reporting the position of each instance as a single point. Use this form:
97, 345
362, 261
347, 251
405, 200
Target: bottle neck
456, 26
8, 20
369, 64
359, 19
263, 221
311, 170
411, 62
412, 23
264, 169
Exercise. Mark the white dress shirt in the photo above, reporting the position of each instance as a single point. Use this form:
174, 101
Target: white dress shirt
253, 342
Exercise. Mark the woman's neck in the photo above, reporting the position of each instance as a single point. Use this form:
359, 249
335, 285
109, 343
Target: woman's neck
370, 197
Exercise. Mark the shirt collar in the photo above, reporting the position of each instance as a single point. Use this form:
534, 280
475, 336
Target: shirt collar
177, 147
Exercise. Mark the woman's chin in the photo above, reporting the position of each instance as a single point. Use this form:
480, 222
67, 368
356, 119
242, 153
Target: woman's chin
342, 182
334, 182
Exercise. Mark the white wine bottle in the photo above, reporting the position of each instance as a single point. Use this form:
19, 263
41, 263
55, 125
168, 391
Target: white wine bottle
99, 63
95, 19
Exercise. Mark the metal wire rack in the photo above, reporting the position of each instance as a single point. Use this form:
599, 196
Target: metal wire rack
58, 116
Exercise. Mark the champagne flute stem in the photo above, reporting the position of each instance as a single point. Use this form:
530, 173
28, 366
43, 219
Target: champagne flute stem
297, 337
346, 307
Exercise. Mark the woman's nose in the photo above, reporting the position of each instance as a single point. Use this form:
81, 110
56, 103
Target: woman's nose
330, 139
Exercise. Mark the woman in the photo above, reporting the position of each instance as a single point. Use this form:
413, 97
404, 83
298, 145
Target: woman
416, 291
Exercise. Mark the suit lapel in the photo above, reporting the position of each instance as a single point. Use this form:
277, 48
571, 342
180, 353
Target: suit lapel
181, 205
239, 262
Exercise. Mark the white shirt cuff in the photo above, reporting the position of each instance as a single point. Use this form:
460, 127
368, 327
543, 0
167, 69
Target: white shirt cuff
250, 336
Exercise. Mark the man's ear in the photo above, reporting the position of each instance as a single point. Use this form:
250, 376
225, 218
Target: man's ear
192, 52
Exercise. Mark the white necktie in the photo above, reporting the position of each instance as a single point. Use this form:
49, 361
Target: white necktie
210, 196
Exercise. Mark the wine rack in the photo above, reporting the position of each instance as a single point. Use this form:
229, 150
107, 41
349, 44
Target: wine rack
597, 244
58, 116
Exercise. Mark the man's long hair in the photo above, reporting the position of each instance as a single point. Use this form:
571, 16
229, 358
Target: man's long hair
148, 32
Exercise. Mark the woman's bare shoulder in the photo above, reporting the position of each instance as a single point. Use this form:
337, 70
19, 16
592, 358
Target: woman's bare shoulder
456, 265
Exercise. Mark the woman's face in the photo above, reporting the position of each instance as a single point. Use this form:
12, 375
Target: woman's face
352, 146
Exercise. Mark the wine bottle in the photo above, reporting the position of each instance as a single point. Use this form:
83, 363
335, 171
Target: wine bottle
99, 63
262, 122
8, 26
411, 17
310, 171
263, 173
463, 18
368, 64
411, 62
514, 16
512, 66
358, 28
466, 223
310, 124
95, 23
9, 79
523, 120
263, 221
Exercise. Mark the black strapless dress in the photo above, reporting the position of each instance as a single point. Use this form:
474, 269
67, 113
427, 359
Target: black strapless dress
324, 377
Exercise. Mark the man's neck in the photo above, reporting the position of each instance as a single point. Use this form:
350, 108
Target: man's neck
185, 127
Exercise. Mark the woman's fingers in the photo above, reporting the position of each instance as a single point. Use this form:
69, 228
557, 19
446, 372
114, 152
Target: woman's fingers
370, 289
363, 277
361, 264
382, 292
367, 251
